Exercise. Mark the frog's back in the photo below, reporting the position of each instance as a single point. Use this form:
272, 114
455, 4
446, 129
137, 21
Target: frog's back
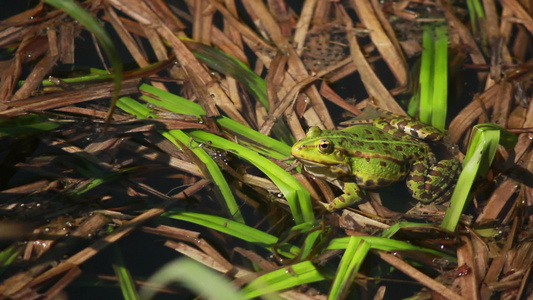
369, 141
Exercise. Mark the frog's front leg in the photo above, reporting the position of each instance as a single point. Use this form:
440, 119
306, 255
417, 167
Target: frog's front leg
433, 183
352, 194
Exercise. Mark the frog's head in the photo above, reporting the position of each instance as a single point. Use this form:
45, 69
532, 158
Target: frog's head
318, 150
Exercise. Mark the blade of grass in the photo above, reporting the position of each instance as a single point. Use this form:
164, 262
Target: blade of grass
179, 138
98, 75
203, 281
92, 171
391, 231
125, 280
8, 256
426, 71
351, 261
390, 245
297, 196
434, 76
440, 78
313, 241
284, 278
480, 154
181, 105
476, 12
92, 24
28, 124
235, 229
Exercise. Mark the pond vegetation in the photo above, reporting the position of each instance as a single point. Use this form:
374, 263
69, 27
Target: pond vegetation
146, 149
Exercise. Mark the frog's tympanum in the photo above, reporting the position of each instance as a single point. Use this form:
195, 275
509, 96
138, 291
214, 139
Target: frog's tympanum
375, 154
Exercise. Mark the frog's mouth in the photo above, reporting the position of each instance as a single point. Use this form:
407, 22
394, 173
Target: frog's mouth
310, 162
332, 170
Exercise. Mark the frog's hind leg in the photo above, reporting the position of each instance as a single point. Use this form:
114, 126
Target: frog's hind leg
402, 126
435, 183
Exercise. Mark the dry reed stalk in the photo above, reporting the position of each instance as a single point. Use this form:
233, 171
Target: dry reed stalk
389, 49
296, 68
82, 256
521, 14
45, 102
419, 276
497, 201
375, 88
468, 280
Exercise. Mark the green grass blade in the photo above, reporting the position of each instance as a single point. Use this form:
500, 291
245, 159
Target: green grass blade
214, 170
391, 231
28, 124
284, 278
480, 154
180, 105
426, 75
351, 261
476, 12
196, 277
473, 15
237, 230
461, 194
440, 78
8, 256
96, 75
297, 196
311, 240
179, 138
390, 245
434, 76
92, 24
90, 170
125, 280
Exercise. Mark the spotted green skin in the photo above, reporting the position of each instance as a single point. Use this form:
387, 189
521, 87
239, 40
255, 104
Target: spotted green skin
375, 154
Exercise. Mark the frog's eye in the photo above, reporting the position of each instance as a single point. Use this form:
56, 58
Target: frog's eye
325, 146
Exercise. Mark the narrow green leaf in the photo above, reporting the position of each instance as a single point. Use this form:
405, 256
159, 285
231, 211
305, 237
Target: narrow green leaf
196, 277
351, 261
8, 256
311, 241
284, 278
237, 230
28, 124
393, 229
440, 78
426, 75
125, 280
178, 138
297, 196
180, 105
91, 171
477, 162
384, 244
434, 76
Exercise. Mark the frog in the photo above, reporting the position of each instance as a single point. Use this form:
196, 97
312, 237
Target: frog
376, 153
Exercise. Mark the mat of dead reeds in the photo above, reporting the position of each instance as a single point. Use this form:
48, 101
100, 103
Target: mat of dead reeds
146, 149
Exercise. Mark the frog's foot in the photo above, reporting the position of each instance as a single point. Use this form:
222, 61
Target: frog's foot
438, 182
352, 194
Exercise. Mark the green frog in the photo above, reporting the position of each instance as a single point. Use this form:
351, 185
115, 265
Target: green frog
376, 153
